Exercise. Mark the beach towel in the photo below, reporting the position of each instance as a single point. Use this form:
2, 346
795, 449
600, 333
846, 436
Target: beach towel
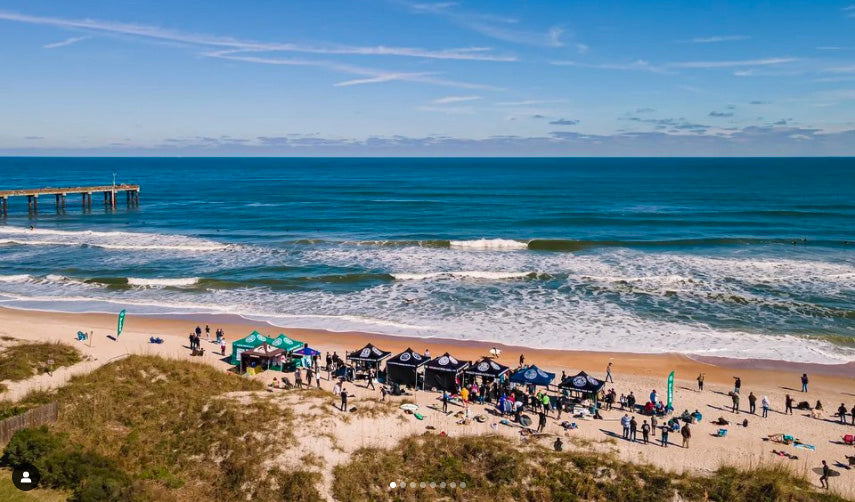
805, 446
722, 432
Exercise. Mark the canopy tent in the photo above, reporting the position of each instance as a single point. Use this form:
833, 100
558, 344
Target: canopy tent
287, 344
583, 383
263, 354
486, 368
441, 373
403, 368
249, 342
532, 376
368, 354
307, 351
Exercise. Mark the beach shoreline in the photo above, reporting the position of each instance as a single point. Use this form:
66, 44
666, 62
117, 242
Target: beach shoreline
594, 362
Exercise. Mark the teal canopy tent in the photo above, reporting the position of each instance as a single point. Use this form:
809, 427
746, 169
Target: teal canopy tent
249, 342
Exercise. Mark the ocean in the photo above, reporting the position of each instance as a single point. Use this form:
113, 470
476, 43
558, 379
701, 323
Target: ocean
746, 258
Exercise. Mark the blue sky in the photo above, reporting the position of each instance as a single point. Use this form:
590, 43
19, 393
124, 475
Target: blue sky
400, 77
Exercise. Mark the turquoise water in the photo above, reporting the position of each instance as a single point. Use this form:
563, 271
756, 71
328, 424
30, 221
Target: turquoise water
730, 257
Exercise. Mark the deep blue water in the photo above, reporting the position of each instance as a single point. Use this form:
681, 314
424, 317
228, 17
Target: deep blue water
740, 257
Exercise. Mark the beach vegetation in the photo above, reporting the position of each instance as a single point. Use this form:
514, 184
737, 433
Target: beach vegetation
494, 468
22, 361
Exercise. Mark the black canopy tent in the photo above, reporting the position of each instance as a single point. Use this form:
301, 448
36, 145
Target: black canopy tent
533, 376
403, 368
583, 383
368, 354
441, 373
487, 369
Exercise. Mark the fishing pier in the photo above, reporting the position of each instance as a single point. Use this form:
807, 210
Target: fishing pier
132, 196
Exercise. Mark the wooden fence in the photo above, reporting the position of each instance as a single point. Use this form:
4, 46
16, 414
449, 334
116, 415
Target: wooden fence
30, 418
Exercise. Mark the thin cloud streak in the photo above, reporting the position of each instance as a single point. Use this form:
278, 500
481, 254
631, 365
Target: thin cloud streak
716, 39
731, 64
455, 99
157, 33
372, 75
65, 43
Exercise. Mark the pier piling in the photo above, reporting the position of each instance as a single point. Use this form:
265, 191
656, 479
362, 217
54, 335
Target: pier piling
32, 195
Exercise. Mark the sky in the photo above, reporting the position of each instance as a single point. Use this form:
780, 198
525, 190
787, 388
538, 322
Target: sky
442, 78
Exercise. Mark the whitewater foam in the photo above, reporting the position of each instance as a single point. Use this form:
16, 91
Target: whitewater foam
162, 282
15, 278
471, 274
489, 244
107, 240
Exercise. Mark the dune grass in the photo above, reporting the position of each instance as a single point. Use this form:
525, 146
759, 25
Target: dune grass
170, 431
23, 360
495, 469
8, 492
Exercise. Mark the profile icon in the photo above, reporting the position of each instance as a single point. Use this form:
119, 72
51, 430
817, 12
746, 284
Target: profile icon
25, 477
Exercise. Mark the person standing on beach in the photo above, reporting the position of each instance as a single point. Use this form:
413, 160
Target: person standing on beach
624, 422
804, 382
700, 382
752, 403
841, 413
609, 373
653, 423
207, 333
737, 384
853, 414
788, 405
370, 380
298, 378
309, 375
445, 402
665, 436
823, 478
633, 429
192, 341
687, 435
735, 398
645, 431
198, 331
522, 360
343, 399
765, 404
336, 390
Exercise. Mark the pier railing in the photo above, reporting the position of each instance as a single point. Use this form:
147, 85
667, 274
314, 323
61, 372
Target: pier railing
132, 196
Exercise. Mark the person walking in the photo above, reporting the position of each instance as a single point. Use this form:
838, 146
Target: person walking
823, 478
752, 403
309, 376
522, 360
609, 373
207, 333
343, 399
664, 436
624, 422
645, 431
633, 429
222, 347
336, 390
318, 377
804, 382
382, 392
841, 413
735, 398
700, 382
370, 380
541, 421
687, 435
765, 405
788, 405
737, 384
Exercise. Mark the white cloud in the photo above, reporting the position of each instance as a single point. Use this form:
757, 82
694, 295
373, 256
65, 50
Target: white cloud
716, 39
530, 102
157, 33
64, 43
455, 99
731, 64
638, 65
449, 110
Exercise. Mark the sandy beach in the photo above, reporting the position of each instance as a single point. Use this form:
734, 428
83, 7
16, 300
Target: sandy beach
632, 372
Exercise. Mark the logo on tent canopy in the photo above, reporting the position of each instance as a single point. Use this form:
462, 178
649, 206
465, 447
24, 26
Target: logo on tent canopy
579, 381
443, 360
365, 352
593, 381
377, 351
417, 357
251, 338
530, 374
405, 357
483, 367
541, 373
495, 366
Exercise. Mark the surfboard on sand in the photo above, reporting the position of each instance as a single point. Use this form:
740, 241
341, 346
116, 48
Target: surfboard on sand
409, 407
831, 472
525, 420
